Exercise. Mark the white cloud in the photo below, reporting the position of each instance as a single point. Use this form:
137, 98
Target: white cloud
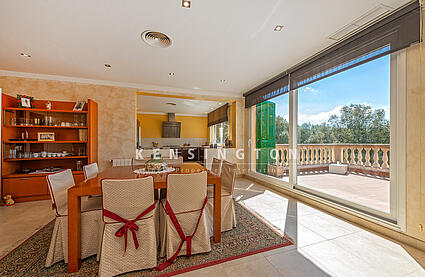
319, 118
310, 90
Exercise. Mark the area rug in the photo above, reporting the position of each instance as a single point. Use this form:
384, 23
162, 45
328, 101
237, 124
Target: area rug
251, 236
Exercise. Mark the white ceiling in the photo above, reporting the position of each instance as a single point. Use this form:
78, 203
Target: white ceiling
214, 40
154, 104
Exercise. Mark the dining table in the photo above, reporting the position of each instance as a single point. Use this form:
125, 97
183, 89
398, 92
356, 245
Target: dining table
92, 187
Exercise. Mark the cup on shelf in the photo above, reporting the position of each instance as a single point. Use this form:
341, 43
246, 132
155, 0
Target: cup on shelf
44, 154
36, 155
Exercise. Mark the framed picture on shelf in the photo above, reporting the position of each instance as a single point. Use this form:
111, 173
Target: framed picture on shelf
46, 136
25, 101
79, 106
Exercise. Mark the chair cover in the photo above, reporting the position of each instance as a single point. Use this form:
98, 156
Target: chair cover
91, 221
228, 217
129, 238
186, 197
90, 171
216, 166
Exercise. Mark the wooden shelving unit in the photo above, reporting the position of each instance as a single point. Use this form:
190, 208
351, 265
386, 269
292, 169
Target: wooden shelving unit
20, 122
50, 127
25, 141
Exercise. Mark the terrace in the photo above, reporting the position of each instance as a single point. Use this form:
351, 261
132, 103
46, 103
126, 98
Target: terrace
367, 179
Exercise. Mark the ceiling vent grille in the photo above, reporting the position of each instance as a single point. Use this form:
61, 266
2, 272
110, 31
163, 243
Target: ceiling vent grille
156, 39
365, 20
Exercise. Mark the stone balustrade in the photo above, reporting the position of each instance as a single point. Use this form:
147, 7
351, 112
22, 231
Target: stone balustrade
372, 159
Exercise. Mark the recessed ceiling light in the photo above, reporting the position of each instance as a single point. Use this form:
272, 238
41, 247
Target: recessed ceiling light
278, 28
171, 104
171, 73
196, 88
186, 4
107, 65
26, 55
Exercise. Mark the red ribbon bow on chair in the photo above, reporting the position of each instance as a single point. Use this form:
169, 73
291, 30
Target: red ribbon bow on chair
183, 237
129, 224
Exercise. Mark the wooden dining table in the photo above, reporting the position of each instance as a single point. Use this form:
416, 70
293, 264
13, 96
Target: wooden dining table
93, 187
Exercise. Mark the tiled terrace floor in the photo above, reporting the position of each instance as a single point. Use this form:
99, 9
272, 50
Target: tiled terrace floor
324, 245
368, 191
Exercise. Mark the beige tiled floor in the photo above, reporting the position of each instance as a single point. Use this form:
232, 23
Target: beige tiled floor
324, 245
20, 221
371, 192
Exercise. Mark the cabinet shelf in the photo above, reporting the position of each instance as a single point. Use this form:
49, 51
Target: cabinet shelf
37, 126
39, 142
79, 141
27, 175
44, 110
46, 158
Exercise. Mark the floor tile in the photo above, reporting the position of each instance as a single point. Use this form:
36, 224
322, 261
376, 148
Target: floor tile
258, 267
324, 227
292, 263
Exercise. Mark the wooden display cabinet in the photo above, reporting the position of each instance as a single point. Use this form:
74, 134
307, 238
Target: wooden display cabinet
23, 156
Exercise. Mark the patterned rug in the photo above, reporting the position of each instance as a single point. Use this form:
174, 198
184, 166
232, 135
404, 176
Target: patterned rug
251, 236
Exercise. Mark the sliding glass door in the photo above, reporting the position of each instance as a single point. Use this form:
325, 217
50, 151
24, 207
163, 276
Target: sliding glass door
332, 138
343, 137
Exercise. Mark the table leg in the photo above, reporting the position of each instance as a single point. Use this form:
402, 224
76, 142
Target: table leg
74, 232
217, 211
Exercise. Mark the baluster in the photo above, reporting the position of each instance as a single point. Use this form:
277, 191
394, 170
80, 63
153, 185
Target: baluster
375, 157
360, 156
385, 158
302, 156
353, 156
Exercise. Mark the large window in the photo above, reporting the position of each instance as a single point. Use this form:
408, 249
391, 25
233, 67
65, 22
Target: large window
340, 138
344, 136
219, 133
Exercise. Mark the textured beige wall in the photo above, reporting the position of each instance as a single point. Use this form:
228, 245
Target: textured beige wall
117, 110
415, 140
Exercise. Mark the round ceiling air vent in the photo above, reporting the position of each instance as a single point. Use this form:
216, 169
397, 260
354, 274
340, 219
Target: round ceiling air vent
156, 39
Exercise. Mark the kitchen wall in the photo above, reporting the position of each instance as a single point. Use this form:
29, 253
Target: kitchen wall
194, 130
117, 110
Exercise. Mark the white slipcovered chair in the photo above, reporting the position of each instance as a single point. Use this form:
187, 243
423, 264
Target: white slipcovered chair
91, 221
90, 171
228, 217
183, 225
216, 166
129, 237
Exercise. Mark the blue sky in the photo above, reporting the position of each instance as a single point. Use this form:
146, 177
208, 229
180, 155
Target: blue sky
365, 84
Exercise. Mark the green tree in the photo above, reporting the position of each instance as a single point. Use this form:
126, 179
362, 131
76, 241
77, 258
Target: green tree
357, 123
282, 130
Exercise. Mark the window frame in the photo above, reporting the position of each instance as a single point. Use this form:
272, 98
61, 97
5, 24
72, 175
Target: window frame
396, 218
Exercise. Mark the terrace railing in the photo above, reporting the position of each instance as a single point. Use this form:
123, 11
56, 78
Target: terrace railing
372, 159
